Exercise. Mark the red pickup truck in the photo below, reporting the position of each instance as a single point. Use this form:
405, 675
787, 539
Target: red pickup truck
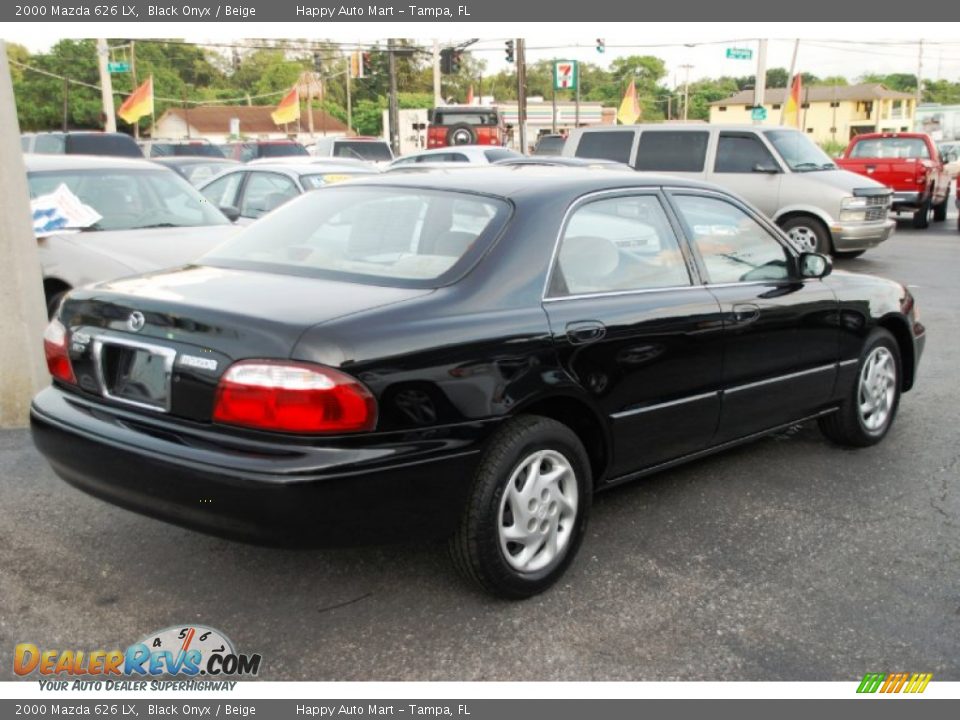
908, 163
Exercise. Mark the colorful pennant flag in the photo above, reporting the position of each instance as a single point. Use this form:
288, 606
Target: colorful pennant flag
791, 109
139, 103
629, 111
289, 108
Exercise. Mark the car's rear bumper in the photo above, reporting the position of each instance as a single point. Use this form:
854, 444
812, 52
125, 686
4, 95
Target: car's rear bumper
267, 491
849, 237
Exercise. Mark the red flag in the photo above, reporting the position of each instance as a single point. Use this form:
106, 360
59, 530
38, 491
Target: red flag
138, 103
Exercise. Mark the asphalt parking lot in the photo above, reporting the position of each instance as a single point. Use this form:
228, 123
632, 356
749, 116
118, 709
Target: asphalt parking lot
788, 559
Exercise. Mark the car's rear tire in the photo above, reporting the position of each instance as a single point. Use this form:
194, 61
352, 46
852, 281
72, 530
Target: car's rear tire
461, 134
807, 233
527, 511
871, 402
940, 211
921, 218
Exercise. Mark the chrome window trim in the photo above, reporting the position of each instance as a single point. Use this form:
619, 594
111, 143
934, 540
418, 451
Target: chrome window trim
168, 354
847, 363
780, 378
661, 406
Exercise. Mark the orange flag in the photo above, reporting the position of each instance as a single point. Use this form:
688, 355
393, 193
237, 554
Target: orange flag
791, 110
470, 96
629, 111
289, 108
138, 103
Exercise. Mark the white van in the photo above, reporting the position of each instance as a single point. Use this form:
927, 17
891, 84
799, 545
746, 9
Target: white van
778, 170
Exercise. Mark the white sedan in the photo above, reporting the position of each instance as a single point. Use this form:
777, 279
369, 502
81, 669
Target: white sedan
457, 154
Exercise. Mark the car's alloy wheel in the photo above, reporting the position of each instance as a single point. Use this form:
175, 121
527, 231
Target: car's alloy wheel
871, 403
527, 510
538, 511
877, 389
807, 234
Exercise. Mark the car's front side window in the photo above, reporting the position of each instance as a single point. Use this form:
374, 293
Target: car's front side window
264, 192
735, 248
618, 244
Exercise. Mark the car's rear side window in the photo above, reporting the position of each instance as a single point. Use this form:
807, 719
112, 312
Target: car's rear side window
618, 244
672, 151
399, 236
612, 145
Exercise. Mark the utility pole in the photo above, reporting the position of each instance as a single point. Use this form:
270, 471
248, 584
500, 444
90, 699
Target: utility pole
349, 101
22, 306
133, 76
521, 94
106, 86
553, 101
437, 94
394, 108
66, 103
787, 90
686, 91
919, 78
760, 86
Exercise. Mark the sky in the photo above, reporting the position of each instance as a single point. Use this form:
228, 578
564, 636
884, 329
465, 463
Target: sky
848, 49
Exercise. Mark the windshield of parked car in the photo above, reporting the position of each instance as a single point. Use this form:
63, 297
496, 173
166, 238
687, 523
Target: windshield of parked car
891, 147
131, 199
404, 237
281, 149
799, 152
362, 150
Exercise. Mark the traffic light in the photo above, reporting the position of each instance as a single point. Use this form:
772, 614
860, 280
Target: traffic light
601, 46
455, 61
511, 55
317, 63
446, 61
367, 64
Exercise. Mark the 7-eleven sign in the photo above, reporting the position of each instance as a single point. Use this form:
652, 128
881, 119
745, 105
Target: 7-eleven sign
566, 75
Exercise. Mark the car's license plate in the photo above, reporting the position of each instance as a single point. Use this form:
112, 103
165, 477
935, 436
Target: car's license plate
136, 374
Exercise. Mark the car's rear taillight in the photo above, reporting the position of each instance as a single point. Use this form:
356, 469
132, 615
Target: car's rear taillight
293, 397
56, 347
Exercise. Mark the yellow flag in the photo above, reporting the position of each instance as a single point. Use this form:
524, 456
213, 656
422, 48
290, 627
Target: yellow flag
629, 111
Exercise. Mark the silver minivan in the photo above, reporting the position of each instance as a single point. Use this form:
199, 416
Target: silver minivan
778, 170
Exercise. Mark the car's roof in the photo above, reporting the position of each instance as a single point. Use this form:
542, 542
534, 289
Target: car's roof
300, 169
682, 127
41, 162
526, 181
468, 150
193, 160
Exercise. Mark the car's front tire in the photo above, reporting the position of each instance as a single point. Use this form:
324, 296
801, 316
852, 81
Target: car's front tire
528, 509
921, 218
808, 233
940, 210
871, 403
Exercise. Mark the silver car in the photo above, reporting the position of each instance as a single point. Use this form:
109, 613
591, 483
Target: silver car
151, 218
779, 170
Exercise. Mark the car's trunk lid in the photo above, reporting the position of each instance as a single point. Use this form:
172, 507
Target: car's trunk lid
160, 342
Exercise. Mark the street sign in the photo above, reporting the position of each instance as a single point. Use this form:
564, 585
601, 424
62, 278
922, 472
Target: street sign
739, 53
118, 67
758, 113
566, 75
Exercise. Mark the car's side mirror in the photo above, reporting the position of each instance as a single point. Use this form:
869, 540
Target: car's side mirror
766, 168
230, 212
815, 265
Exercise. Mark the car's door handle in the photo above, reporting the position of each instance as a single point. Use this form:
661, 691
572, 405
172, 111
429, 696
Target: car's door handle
585, 331
744, 313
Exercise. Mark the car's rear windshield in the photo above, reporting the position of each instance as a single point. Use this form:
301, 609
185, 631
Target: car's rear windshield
395, 236
892, 147
185, 150
102, 144
470, 117
550, 145
128, 199
363, 150
281, 150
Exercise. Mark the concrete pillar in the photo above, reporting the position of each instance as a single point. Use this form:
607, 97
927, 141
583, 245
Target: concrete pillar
23, 316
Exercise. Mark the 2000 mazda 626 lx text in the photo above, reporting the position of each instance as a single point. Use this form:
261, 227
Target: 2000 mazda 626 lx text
465, 354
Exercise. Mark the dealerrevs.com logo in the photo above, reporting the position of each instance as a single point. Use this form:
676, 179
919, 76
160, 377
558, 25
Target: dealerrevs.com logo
180, 651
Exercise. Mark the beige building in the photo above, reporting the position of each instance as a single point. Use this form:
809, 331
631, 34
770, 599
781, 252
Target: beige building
828, 112
222, 123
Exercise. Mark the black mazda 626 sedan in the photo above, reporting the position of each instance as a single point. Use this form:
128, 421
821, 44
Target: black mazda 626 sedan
471, 354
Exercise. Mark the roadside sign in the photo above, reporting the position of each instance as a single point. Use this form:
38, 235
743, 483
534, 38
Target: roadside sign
118, 67
739, 53
566, 75
758, 113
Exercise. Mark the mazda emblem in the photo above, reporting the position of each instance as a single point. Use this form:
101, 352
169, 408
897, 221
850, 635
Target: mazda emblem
136, 321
